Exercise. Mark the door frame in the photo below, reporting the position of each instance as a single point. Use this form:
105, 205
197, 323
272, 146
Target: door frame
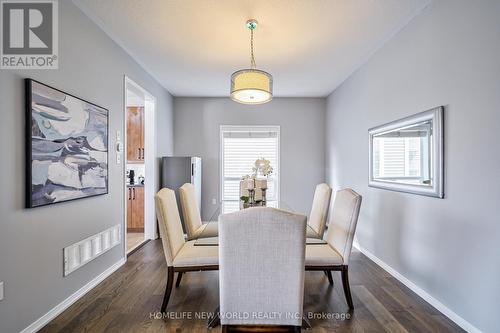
150, 165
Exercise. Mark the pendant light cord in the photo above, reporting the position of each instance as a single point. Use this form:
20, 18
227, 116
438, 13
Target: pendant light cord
252, 60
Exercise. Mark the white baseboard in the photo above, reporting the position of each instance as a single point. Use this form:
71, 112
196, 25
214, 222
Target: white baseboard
46, 318
420, 292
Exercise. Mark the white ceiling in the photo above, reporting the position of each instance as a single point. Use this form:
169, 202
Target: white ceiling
309, 46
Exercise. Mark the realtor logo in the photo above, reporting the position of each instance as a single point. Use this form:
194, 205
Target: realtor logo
29, 34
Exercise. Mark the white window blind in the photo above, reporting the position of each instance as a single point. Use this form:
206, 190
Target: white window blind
240, 147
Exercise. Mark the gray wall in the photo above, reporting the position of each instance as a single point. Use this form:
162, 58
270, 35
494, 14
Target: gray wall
92, 67
449, 56
196, 132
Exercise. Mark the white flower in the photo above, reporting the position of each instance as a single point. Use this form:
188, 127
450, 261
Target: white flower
263, 166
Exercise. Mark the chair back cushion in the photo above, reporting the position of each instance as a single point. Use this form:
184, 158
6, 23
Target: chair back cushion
343, 220
261, 267
319, 211
190, 209
170, 224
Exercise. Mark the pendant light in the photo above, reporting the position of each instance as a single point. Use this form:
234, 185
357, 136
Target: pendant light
251, 86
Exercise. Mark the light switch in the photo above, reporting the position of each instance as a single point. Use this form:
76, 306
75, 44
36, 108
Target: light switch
119, 147
1, 291
214, 201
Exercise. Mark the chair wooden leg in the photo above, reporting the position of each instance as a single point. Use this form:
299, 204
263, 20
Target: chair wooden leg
168, 289
179, 278
330, 278
215, 320
306, 324
347, 288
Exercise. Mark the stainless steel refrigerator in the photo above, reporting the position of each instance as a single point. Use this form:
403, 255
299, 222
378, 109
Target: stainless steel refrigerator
176, 171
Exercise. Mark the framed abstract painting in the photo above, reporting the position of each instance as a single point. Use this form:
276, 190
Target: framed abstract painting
66, 146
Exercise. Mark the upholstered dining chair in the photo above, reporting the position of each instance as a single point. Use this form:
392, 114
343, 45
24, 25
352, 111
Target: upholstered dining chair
334, 256
191, 213
318, 215
181, 256
261, 255
319, 211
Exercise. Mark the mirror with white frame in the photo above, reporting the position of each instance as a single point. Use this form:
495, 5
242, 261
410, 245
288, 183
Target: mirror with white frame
406, 155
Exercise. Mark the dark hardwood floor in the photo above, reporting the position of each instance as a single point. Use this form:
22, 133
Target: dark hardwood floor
130, 299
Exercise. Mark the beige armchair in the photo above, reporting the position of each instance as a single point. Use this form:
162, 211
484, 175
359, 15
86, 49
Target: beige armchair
334, 256
261, 253
181, 256
191, 213
319, 211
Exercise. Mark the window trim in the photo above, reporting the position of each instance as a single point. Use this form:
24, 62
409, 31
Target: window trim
248, 128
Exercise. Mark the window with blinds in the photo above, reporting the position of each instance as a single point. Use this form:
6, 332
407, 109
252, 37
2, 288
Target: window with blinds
240, 147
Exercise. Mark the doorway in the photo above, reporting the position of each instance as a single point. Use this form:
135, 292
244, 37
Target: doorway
140, 167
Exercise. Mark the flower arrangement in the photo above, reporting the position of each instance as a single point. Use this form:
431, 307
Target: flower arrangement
253, 189
263, 166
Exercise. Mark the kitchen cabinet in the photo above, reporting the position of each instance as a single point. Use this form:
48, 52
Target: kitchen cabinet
135, 134
135, 208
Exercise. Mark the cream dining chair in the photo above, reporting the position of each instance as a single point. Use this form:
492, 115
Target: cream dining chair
181, 256
261, 254
318, 215
319, 211
191, 214
334, 256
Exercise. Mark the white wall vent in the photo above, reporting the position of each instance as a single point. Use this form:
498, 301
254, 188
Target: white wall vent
80, 253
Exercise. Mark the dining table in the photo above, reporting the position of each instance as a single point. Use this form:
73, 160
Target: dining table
226, 207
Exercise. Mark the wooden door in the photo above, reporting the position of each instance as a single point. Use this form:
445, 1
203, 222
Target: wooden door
135, 134
138, 208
